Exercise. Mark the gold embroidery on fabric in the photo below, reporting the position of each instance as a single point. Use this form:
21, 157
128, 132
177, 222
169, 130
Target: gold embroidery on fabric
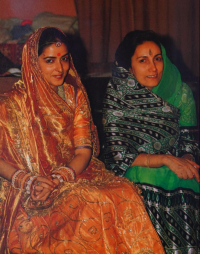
19, 85
100, 178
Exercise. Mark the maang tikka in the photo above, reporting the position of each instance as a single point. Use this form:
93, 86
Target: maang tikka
58, 44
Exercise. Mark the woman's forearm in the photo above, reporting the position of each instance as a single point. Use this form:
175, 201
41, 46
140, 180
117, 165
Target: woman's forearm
6, 170
149, 160
81, 160
79, 163
182, 167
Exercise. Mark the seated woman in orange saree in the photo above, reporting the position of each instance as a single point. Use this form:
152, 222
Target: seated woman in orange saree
56, 196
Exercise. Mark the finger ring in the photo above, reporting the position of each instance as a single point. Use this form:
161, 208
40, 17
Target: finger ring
38, 183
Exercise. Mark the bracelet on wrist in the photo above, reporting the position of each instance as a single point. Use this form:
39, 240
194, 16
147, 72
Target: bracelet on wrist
24, 181
67, 173
17, 178
147, 160
72, 170
58, 176
29, 183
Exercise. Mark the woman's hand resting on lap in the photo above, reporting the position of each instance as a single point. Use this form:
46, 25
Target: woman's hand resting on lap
182, 167
42, 187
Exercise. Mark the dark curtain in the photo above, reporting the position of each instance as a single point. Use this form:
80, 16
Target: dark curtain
103, 24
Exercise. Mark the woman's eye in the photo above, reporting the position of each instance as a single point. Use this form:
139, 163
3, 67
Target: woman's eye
142, 60
159, 58
49, 61
65, 59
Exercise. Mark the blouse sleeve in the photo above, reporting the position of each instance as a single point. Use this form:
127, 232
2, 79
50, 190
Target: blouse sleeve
82, 122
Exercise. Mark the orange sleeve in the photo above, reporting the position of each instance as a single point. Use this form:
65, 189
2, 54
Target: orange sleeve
82, 122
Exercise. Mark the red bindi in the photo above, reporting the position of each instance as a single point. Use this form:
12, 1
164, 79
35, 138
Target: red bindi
58, 54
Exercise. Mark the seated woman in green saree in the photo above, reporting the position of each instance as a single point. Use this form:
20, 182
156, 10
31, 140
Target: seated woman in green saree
148, 113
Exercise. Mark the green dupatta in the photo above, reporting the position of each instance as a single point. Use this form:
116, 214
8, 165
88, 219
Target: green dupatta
173, 90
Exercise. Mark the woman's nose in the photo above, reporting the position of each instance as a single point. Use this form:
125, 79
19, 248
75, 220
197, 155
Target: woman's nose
152, 66
59, 66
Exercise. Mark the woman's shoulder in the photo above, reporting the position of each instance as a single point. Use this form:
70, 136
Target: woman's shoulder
187, 96
185, 88
184, 94
186, 103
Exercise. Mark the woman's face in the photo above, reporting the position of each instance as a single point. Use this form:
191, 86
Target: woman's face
54, 63
147, 64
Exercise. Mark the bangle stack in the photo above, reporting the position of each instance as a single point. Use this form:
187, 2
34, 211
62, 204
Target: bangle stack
24, 181
29, 183
21, 180
17, 179
66, 173
58, 176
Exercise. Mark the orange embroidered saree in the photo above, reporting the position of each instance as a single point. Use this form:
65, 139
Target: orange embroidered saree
39, 130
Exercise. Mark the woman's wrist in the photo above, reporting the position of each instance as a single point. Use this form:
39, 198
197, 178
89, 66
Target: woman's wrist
17, 179
156, 160
151, 160
147, 161
166, 159
28, 183
22, 180
57, 176
64, 174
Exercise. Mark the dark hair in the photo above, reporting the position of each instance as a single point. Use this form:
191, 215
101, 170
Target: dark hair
127, 47
49, 36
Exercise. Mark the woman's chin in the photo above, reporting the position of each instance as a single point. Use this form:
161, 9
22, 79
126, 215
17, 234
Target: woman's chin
151, 86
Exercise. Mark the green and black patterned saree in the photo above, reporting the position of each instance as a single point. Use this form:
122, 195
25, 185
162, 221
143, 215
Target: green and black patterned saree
137, 120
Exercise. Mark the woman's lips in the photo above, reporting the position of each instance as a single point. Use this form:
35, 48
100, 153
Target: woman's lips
152, 76
58, 76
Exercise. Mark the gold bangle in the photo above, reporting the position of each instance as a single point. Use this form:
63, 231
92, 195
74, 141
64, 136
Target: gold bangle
16, 178
148, 157
146, 160
24, 180
67, 173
